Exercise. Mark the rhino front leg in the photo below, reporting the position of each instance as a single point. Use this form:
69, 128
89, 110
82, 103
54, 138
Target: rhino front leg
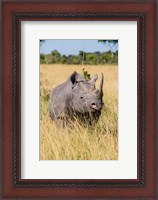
63, 122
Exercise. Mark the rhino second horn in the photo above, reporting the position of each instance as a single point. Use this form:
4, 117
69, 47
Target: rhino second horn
93, 79
101, 82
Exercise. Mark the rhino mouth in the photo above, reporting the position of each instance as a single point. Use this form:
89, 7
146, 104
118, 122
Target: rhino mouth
95, 107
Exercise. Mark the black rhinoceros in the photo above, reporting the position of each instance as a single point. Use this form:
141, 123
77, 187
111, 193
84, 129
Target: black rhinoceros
77, 97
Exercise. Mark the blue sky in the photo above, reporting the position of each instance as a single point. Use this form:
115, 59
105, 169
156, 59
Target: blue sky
67, 47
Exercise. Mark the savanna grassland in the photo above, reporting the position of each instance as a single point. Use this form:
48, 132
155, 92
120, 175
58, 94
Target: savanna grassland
80, 143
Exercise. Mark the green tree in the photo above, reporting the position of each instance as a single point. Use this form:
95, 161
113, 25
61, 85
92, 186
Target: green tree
63, 59
48, 59
55, 56
76, 60
41, 43
91, 59
115, 57
112, 44
82, 56
106, 57
69, 59
42, 59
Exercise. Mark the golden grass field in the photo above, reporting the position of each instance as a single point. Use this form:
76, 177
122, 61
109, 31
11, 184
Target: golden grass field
80, 143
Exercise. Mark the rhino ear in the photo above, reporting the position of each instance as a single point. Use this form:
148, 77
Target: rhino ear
93, 79
73, 78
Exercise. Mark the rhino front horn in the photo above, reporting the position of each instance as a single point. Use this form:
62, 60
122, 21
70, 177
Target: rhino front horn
101, 83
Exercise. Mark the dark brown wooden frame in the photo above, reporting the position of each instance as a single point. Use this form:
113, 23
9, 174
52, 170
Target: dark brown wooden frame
144, 12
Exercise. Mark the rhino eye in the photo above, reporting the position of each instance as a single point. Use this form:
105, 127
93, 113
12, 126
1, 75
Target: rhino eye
81, 97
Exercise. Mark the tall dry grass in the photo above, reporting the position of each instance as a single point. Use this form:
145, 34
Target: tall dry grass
80, 143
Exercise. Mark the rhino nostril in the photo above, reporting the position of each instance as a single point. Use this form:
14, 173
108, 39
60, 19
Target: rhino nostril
94, 106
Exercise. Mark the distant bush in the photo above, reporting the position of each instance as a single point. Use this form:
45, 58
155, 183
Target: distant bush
44, 93
42, 59
86, 74
83, 58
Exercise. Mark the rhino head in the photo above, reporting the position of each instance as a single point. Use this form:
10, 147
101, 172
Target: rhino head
85, 97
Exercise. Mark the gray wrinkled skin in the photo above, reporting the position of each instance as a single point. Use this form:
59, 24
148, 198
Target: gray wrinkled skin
76, 97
